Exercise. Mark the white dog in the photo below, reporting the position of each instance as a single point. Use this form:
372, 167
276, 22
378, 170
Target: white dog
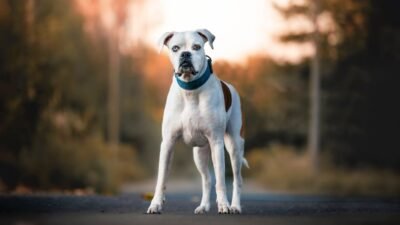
206, 113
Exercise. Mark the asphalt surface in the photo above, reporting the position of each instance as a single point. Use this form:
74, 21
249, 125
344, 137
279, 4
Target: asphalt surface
257, 209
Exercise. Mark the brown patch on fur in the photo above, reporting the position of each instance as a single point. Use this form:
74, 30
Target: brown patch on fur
227, 96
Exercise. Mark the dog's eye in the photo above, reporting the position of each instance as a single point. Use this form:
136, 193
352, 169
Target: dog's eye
196, 47
175, 48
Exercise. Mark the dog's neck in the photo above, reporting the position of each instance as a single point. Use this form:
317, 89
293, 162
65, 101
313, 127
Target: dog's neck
200, 81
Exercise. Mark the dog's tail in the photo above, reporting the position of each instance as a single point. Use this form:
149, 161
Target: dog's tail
245, 163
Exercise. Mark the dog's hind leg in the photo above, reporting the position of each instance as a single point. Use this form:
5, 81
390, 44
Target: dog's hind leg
234, 145
201, 157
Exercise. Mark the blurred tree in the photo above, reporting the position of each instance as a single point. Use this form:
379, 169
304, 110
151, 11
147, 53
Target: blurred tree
52, 91
109, 18
131, 111
117, 22
315, 96
358, 70
364, 131
24, 90
310, 11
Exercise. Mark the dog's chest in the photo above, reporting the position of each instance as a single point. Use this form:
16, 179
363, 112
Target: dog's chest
194, 126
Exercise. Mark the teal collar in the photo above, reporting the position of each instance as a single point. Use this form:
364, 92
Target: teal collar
194, 84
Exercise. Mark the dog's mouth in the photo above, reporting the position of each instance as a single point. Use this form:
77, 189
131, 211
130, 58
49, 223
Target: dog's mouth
186, 68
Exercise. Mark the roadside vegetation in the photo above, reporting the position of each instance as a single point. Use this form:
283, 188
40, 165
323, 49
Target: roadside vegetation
287, 169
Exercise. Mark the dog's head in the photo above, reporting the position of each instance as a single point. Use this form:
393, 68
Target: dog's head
186, 51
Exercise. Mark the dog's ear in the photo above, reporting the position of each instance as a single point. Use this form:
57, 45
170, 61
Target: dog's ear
207, 36
164, 40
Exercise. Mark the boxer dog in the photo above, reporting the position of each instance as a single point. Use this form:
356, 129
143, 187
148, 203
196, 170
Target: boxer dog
205, 112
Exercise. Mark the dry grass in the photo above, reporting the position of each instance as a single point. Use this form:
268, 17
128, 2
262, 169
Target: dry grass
287, 169
59, 164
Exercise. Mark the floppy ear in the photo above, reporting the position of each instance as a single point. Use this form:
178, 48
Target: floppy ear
164, 40
207, 36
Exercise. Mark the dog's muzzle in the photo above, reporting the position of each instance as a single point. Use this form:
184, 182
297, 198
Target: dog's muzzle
185, 65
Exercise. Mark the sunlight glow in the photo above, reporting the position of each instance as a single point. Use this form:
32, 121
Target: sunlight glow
241, 27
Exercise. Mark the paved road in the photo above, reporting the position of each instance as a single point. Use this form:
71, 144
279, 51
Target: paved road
257, 209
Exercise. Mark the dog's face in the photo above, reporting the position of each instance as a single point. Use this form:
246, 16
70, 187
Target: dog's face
186, 51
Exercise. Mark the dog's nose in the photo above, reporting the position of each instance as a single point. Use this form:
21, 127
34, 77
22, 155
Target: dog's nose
186, 55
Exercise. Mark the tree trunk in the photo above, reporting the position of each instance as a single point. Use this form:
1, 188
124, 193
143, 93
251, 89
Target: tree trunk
314, 123
30, 20
113, 90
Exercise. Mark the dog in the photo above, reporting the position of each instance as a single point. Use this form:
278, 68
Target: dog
205, 112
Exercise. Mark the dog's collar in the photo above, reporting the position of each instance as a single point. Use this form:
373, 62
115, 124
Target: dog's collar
194, 84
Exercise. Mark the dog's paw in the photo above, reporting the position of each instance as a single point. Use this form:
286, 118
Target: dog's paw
223, 208
235, 209
202, 209
154, 209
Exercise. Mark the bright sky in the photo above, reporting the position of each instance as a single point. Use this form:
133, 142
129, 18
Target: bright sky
241, 27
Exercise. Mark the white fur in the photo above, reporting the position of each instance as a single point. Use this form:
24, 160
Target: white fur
200, 119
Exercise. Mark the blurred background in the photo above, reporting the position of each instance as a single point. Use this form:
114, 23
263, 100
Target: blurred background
82, 91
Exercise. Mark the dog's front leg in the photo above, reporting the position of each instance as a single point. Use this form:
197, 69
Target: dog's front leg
218, 158
164, 165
